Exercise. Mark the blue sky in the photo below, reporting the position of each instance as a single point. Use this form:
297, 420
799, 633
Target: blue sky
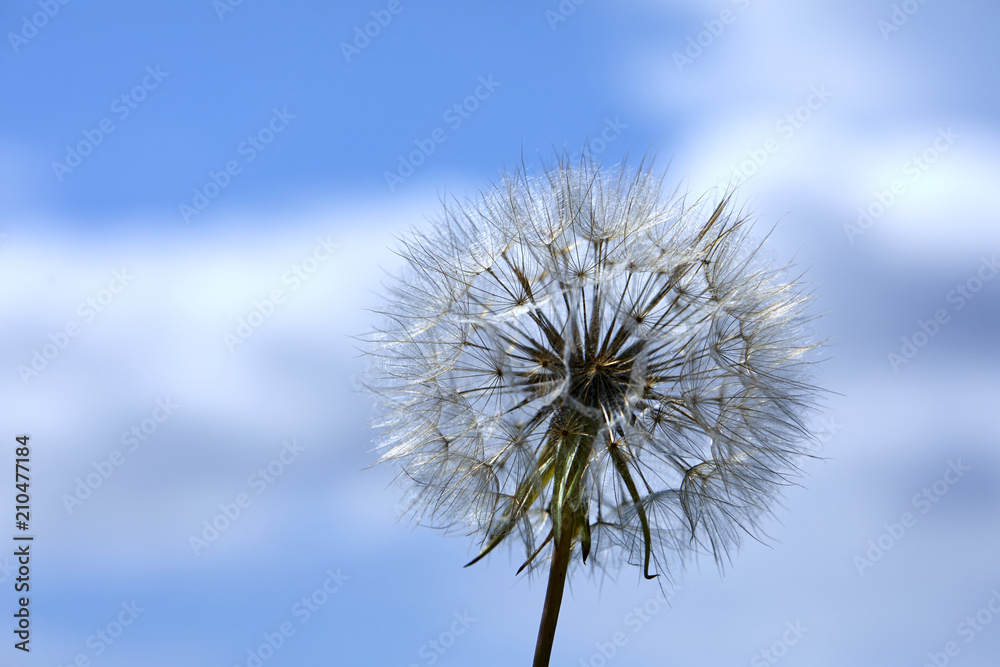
865, 134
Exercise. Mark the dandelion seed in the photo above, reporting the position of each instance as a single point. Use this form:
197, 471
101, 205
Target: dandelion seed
576, 364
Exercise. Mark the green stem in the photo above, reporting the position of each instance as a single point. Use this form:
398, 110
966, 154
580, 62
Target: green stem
553, 594
574, 435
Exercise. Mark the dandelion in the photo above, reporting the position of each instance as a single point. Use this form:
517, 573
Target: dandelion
578, 364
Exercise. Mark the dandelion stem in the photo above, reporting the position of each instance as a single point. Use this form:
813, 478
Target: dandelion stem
553, 593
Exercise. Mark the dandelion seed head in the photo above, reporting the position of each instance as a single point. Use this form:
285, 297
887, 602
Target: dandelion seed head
578, 347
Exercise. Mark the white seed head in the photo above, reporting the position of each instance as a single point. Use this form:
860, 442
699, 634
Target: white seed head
577, 347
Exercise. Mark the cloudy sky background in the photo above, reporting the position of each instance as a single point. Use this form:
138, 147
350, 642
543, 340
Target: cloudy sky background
819, 109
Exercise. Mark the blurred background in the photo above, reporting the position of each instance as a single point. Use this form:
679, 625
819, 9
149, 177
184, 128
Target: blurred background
199, 201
